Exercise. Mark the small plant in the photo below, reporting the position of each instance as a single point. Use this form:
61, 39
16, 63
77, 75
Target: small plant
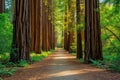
97, 63
37, 57
81, 60
6, 71
23, 63
10, 64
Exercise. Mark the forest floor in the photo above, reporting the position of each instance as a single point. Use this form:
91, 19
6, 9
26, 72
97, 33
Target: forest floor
62, 66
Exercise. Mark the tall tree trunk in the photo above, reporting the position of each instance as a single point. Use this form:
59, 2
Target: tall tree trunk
2, 6
79, 37
71, 25
38, 42
36, 25
45, 27
93, 47
50, 24
32, 24
66, 28
21, 32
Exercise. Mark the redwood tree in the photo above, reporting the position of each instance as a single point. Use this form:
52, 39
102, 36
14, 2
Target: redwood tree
79, 37
71, 25
50, 22
93, 48
45, 27
66, 45
2, 6
21, 32
36, 25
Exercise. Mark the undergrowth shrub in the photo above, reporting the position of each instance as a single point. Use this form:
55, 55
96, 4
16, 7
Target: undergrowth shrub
110, 21
23, 63
5, 33
6, 71
37, 57
4, 58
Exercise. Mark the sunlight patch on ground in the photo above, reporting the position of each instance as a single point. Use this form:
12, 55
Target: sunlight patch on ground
73, 72
63, 58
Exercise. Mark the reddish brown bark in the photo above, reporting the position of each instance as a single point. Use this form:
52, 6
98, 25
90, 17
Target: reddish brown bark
2, 6
36, 26
48, 28
32, 24
21, 34
45, 27
93, 48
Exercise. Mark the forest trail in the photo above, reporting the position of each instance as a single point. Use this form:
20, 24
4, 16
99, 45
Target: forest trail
62, 66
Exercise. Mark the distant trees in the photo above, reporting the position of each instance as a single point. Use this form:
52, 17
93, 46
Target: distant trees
79, 35
33, 28
2, 6
66, 41
71, 24
69, 33
47, 26
92, 31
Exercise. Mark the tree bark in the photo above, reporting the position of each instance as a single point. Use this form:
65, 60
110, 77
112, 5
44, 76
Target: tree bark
21, 32
93, 45
45, 22
66, 28
79, 37
71, 25
32, 25
2, 6
36, 25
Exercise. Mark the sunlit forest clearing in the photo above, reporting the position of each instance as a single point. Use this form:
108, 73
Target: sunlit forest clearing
59, 39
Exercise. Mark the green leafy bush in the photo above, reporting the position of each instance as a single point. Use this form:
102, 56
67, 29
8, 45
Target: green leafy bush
23, 63
6, 71
99, 64
110, 21
37, 57
4, 58
5, 33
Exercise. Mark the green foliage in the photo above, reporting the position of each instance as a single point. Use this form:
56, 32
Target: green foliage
37, 57
81, 60
80, 26
4, 71
5, 34
99, 64
96, 63
10, 64
110, 21
73, 47
23, 63
59, 11
4, 58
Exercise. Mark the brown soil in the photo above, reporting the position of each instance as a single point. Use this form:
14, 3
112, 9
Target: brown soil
62, 66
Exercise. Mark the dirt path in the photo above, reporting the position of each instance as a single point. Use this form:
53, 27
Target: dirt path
62, 66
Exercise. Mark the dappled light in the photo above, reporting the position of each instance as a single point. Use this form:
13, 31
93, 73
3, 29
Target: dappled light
59, 39
63, 69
